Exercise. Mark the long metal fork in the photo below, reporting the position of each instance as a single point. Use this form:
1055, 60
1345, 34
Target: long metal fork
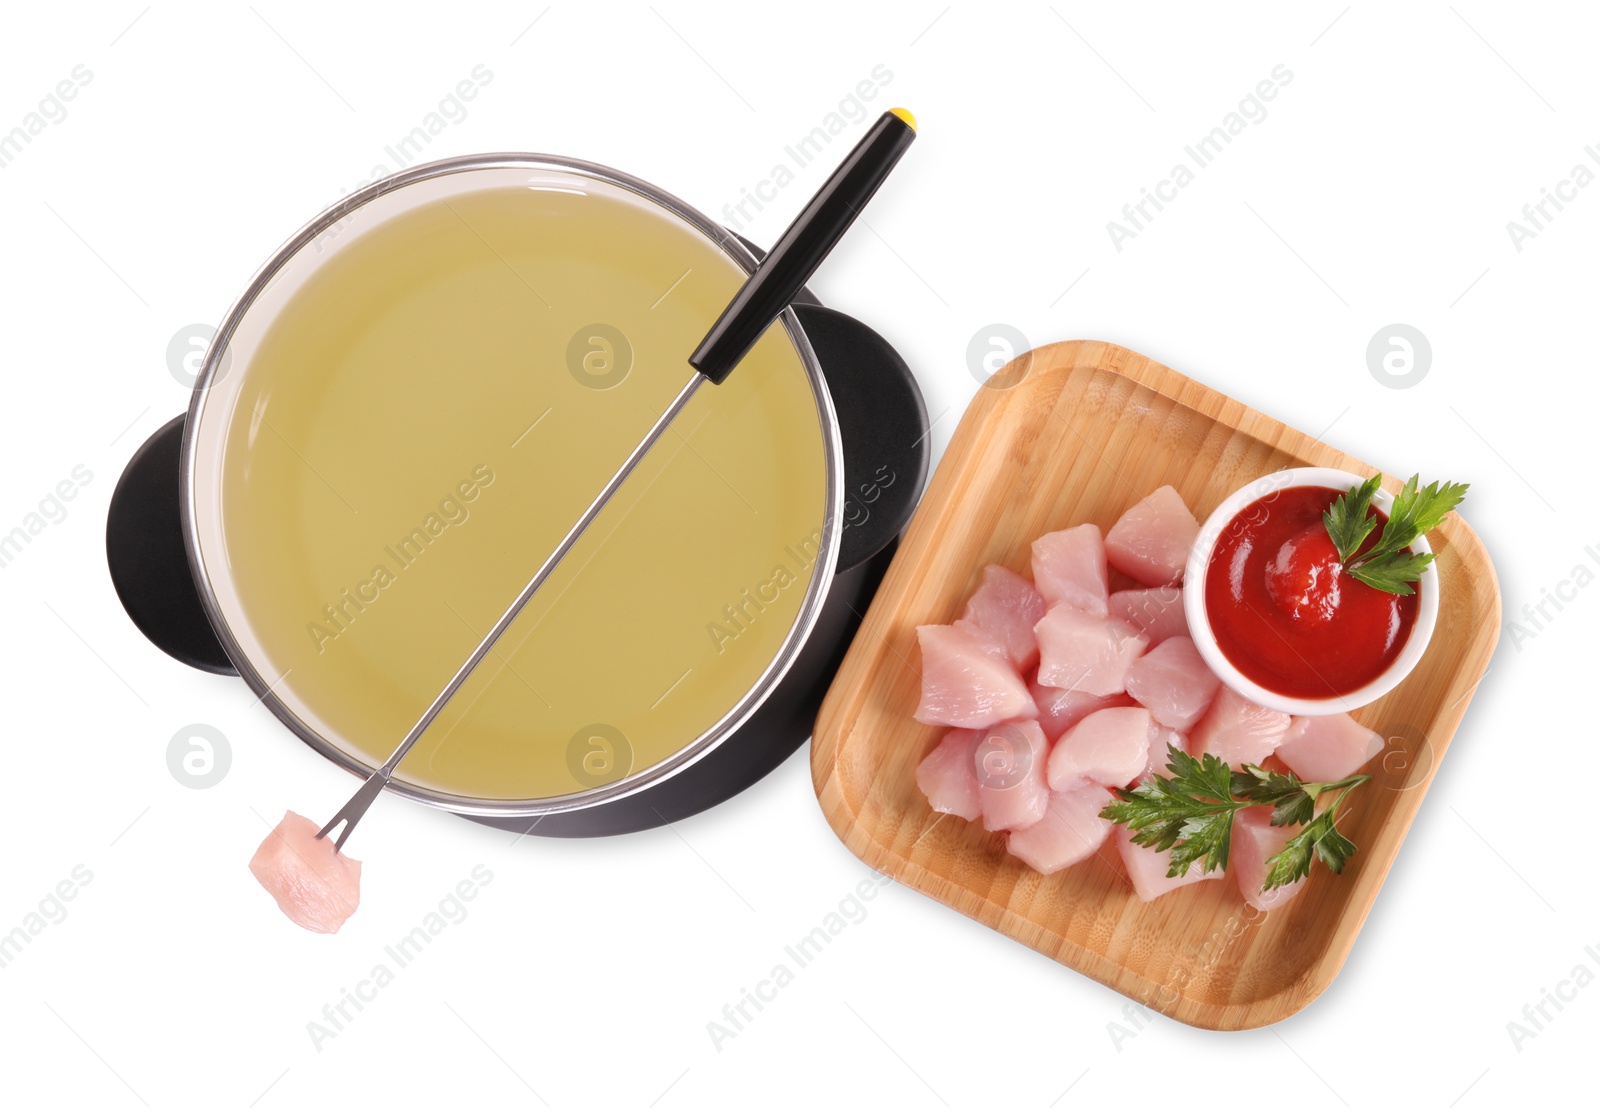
362, 799
770, 287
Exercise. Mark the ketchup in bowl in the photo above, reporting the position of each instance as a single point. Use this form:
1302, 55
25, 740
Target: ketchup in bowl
1284, 611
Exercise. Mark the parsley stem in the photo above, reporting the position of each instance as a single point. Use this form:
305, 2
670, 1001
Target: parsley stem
1316, 789
1353, 783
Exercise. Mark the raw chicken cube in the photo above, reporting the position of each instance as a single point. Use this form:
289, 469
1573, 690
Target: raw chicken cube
965, 683
1255, 841
314, 883
1151, 542
1009, 765
1060, 709
1157, 612
1147, 869
1069, 567
1004, 608
1162, 739
1327, 748
947, 776
1079, 651
1237, 730
1111, 747
1070, 831
1173, 682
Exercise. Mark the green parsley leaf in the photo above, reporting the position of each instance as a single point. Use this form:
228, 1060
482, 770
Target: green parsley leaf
1321, 838
1389, 566
1333, 848
1416, 512
1206, 839
1393, 573
1207, 776
1190, 815
1293, 805
1160, 812
1347, 520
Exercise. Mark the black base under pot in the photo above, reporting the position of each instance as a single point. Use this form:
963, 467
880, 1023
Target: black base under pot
883, 424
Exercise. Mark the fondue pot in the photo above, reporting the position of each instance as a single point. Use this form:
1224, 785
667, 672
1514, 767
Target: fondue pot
404, 410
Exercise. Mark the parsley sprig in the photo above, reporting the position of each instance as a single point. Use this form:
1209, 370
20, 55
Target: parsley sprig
1190, 815
1389, 566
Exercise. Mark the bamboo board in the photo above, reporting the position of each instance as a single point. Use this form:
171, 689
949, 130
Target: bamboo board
1078, 432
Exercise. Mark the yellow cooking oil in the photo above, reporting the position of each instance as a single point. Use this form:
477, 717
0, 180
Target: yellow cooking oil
427, 416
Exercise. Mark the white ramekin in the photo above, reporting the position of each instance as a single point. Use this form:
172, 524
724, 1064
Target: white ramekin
1194, 599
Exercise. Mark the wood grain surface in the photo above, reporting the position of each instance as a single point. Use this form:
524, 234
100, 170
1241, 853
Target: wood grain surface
1077, 432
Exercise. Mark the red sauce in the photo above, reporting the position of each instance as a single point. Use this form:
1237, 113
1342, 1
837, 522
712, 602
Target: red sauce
1287, 614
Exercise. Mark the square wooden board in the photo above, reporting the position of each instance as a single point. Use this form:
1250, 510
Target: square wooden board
1077, 432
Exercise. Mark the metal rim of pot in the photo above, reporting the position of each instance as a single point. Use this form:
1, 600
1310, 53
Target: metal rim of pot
811, 605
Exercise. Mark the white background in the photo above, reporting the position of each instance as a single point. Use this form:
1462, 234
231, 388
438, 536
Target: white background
1377, 190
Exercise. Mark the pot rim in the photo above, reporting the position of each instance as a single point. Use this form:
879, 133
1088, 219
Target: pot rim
678, 761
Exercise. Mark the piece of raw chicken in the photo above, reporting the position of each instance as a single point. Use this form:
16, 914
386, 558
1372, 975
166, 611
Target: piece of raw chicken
947, 776
1009, 764
1162, 740
1069, 567
1156, 612
1237, 730
1111, 747
1256, 840
1004, 609
1173, 682
966, 683
1082, 652
1060, 709
1147, 869
1115, 680
1070, 831
1327, 748
314, 883
1151, 542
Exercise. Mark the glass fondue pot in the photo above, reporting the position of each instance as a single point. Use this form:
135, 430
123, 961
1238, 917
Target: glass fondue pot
405, 410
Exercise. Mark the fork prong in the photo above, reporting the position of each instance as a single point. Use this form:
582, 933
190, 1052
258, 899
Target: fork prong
353, 810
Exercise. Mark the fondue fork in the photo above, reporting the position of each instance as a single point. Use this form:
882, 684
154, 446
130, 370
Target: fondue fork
770, 288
